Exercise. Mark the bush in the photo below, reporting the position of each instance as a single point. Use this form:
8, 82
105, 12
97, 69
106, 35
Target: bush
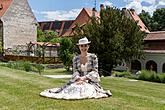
39, 67
121, 74
26, 66
152, 76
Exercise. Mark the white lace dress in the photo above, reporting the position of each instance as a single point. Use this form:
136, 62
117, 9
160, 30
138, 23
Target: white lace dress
76, 91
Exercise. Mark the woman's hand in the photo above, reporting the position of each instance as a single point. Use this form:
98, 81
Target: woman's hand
80, 80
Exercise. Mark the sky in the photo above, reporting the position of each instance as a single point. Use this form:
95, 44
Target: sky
49, 10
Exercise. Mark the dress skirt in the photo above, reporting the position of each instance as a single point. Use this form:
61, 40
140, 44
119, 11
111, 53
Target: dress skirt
76, 90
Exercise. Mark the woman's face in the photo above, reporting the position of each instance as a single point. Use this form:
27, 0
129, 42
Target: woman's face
84, 48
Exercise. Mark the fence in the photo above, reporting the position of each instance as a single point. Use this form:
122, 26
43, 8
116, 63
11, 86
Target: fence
34, 59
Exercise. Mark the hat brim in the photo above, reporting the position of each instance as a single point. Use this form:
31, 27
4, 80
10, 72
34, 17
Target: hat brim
84, 43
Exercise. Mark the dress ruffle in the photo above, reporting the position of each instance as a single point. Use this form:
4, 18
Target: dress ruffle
75, 91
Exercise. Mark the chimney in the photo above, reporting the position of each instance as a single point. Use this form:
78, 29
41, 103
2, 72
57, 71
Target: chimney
94, 12
124, 9
101, 6
132, 11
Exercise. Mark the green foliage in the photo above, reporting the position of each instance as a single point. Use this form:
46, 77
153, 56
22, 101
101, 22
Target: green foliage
121, 74
155, 22
46, 36
21, 65
114, 37
39, 67
66, 52
146, 18
26, 66
159, 19
1, 48
152, 76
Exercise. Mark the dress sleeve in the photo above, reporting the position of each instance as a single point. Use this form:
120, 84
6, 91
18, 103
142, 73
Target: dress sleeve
76, 73
93, 75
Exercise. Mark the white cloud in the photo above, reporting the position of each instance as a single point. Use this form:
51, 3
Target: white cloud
107, 3
137, 5
161, 3
60, 14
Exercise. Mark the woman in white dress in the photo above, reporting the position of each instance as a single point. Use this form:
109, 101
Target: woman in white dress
85, 79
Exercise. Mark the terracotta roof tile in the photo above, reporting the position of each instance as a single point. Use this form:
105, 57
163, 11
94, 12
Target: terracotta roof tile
58, 26
90, 12
4, 6
159, 35
137, 19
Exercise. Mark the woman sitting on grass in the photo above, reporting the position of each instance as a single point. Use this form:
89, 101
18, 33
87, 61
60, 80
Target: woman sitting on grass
85, 79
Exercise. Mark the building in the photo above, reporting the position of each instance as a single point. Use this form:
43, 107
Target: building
66, 27
18, 25
60, 27
154, 58
154, 42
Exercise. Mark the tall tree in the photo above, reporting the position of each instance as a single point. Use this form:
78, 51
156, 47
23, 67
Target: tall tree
47, 36
159, 19
114, 38
155, 22
146, 18
66, 52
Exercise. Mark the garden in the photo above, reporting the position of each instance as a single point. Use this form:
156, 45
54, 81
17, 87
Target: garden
20, 90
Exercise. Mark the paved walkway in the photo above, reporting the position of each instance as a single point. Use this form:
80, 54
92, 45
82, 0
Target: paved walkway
58, 76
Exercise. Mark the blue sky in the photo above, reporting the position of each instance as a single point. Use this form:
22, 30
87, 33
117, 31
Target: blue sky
45, 10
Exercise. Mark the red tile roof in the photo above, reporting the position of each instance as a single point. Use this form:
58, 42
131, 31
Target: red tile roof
4, 5
59, 26
137, 19
159, 35
82, 19
90, 12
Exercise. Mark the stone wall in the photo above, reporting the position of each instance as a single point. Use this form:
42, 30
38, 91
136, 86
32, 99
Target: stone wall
159, 59
19, 24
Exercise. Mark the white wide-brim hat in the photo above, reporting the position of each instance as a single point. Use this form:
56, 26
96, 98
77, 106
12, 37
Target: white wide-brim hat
83, 41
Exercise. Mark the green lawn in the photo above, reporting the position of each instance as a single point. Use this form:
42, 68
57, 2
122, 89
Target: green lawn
60, 71
20, 91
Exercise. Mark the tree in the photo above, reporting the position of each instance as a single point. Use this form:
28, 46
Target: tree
155, 22
114, 38
146, 18
159, 19
66, 52
47, 36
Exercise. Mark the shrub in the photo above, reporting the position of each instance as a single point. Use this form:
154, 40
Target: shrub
39, 67
152, 76
26, 66
121, 74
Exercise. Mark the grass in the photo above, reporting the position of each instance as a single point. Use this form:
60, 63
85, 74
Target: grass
20, 90
60, 71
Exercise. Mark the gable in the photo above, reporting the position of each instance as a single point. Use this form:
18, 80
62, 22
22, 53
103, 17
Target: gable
4, 5
139, 22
